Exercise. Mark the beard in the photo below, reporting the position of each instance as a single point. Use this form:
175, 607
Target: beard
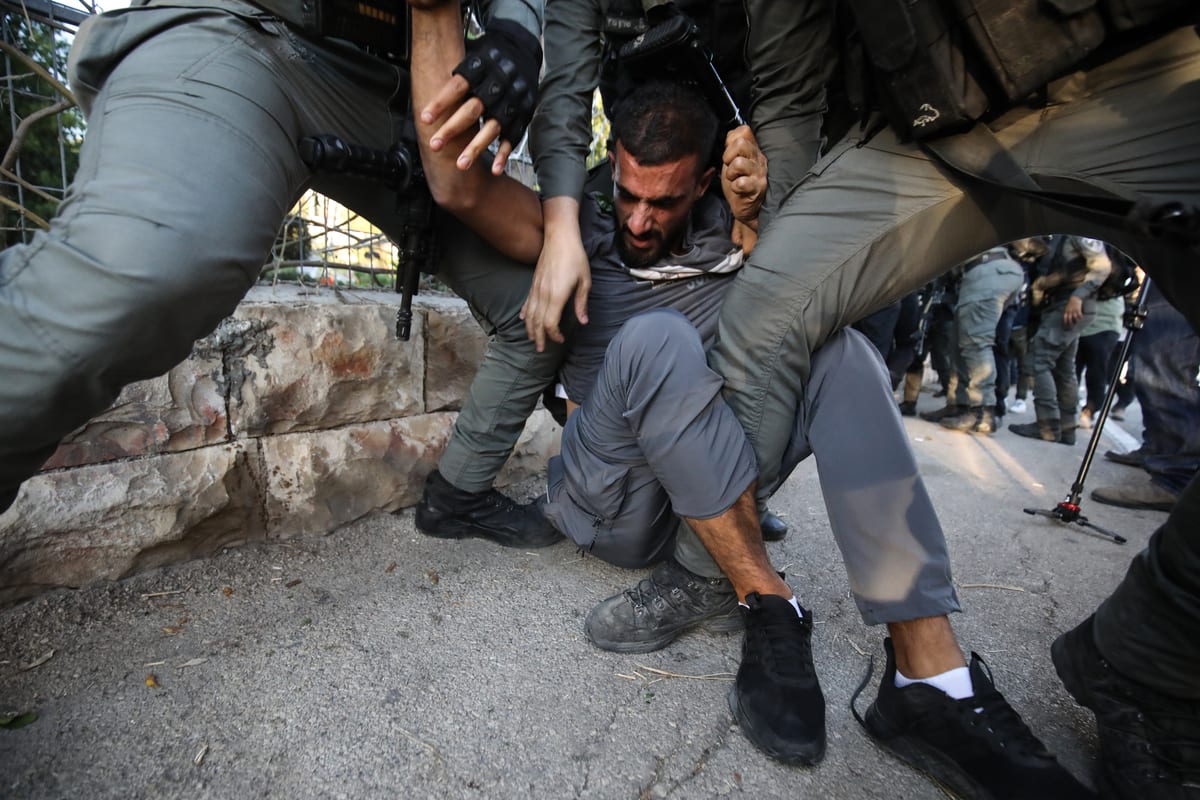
652, 250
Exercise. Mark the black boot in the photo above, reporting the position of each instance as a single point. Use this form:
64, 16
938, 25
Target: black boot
661, 608
948, 410
1149, 742
773, 528
1047, 431
448, 512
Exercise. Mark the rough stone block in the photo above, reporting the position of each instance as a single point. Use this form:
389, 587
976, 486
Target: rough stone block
454, 347
181, 410
319, 480
326, 365
74, 526
540, 440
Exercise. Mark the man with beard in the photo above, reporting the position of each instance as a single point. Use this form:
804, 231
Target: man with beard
653, 439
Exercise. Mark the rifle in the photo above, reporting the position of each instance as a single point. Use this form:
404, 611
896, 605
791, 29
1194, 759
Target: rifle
399, 170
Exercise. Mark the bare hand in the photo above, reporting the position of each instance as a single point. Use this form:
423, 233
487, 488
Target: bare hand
1073, 312
744, 175
562, 272
468, 110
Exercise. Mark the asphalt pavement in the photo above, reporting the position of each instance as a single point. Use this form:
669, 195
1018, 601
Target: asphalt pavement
376, 662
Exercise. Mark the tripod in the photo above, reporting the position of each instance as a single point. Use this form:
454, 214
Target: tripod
1069, 510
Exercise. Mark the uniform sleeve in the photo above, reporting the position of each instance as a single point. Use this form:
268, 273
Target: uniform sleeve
790, 53
561, 130
526, 13
1097, 261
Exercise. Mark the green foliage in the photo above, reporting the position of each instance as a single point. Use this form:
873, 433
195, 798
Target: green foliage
599, 147
49, 154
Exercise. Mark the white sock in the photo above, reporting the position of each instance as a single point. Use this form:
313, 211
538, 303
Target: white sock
799, 613
955, 682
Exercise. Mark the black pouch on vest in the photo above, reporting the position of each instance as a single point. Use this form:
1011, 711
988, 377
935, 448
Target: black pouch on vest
378, 26
1128, 15
1023, 44
924, 86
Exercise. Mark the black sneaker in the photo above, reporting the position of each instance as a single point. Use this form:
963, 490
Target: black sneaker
977, 747
776, 698
661, 608
1149, 743
908, 408
448, 512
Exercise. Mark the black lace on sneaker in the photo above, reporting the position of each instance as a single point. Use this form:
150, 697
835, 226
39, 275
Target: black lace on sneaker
990, 715
986, 712
784, 645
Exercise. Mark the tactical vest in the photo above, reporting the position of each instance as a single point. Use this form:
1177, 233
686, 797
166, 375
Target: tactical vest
723, 28
941, 65
378, 26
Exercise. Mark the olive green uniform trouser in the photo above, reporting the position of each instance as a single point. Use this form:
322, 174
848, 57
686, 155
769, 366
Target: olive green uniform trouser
875, 219
986, 290
189, 165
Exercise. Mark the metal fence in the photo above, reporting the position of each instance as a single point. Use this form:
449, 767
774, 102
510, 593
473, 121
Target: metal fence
320, 242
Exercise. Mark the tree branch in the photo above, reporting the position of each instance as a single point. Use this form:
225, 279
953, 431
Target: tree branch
41, 223
41, 71
23, 130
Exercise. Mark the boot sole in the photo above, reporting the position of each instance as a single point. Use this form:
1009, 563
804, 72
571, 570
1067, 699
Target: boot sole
949, 777
806, 754
729, 623
443, 528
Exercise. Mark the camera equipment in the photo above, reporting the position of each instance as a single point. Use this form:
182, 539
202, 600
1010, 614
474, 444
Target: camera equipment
676, 44
1069, 509
399, 170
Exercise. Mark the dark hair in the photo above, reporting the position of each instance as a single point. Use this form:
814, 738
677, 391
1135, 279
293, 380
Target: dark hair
664, 120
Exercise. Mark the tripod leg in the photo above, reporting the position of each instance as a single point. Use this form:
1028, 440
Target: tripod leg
1133, 321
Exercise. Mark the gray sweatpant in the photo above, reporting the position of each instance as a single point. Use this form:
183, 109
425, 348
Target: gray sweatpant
189, 165
656, 437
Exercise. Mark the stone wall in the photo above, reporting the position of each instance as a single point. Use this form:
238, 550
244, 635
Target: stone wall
300, 413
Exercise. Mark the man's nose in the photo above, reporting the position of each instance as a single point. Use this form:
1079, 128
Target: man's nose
641, 220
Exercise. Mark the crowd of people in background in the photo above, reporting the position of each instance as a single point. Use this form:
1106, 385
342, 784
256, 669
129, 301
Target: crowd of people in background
1051, 324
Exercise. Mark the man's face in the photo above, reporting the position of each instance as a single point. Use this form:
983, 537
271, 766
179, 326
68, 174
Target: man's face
653, 204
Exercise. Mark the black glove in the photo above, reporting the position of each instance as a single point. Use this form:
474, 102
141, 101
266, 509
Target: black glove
502, 69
